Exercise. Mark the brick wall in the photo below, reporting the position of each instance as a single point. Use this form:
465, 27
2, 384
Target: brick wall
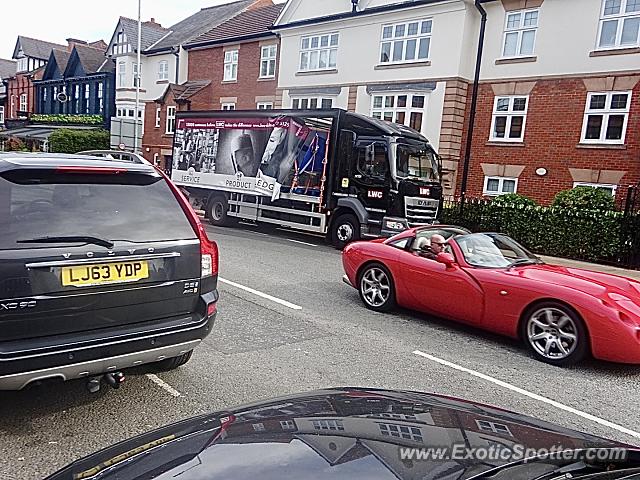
552, 134
208, 64
21, 83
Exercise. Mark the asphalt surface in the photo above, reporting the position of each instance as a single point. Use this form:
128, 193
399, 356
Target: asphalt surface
262, 348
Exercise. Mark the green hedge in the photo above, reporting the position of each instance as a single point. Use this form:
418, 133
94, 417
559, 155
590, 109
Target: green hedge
573, 233
68, 119
73, 141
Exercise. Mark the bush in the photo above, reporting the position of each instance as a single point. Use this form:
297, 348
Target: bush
584, 198
513, 200
74, 141
67, 119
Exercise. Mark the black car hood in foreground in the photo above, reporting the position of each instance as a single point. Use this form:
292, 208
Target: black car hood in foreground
336, 433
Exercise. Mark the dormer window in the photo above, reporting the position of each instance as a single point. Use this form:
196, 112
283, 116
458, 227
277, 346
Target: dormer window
121, 45
23, 64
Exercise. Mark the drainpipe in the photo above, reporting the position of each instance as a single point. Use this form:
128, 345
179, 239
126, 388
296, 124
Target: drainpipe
474, 100
176, 53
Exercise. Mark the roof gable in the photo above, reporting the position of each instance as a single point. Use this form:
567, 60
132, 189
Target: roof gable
56, 65
150, 34
182, 93
200, 23
255, 22
35, 48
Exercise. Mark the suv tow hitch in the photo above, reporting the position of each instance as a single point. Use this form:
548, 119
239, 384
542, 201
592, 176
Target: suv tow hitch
113, 379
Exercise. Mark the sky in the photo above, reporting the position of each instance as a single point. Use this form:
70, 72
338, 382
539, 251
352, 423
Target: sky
85, 19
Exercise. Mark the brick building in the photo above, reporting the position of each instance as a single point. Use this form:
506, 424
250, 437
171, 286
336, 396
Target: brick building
232, 66
7, 70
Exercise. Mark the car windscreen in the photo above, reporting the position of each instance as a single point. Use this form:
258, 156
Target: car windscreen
416, 160
129, 207
492, 250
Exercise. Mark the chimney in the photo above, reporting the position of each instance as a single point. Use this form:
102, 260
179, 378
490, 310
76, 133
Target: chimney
72, 42
153, 22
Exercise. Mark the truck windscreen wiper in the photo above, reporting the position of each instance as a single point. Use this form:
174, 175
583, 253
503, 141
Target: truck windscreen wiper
71, 238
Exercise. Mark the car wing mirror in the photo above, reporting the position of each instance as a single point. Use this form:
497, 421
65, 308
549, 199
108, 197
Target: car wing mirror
446, 258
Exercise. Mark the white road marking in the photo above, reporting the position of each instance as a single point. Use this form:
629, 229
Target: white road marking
261, 294
164, 385
534, 396
303, 243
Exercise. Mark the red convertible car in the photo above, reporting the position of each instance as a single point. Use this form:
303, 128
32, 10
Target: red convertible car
489, 281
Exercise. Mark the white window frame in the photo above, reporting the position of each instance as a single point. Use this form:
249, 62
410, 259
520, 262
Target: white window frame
501, 181
493, 427
229, 106
287, 424
264, 105
308, 52
606, 114
171, 120
158, 111
268, 55
510, 113
258, 427
23, 64
390, 36
122, 74
230, 61
1, 114
137, 77
163, 70
601, 186
389, 109
520, 30
24, 102
298, 102
620, 18
399, 430
329, 424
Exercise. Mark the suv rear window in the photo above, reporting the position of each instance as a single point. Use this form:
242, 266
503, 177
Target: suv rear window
127, 207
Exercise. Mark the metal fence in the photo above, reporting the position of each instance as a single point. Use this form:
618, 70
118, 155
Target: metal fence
610, 237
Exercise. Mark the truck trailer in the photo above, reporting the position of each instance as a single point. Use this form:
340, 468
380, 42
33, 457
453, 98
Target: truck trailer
332, 172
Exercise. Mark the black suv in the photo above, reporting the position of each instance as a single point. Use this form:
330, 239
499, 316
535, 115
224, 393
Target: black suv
103, 266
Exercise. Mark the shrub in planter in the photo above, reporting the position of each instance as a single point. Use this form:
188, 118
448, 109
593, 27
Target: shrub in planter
584, 198
73, 141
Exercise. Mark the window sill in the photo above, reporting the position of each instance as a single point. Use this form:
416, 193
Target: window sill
225, 82
494, 143
161, 82
614, 51
603, 146
388, 66
266, 79
316, 72
512, 60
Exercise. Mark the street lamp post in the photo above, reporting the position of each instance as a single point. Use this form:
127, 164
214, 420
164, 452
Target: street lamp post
137, 79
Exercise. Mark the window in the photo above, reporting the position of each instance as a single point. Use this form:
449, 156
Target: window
23, 102
121, 44
288, 424
372, 160
401, 431
230, 65
520, 33
101, 97
171, 120
265, 105
499, 185
158, 110
122, 74
328, 425
319, 52
509, 118
258, 427
610, 189
406, 42
228, 106
493, 427
404, 108
619, 24
156, 159
311, 103
1, 114
23, 64
268, 61
137, 78
605, 117
163, 70
87, 93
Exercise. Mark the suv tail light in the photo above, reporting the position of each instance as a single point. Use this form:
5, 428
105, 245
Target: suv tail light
208, 248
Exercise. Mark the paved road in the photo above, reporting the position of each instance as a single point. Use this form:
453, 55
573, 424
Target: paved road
263, 347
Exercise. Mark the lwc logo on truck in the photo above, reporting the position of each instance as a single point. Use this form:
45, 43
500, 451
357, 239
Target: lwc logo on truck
374, 194
425, 191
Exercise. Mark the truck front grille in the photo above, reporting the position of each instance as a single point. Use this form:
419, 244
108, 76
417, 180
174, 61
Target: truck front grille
420, 211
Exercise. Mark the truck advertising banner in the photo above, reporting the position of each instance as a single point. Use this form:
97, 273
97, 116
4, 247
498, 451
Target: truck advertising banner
260, 155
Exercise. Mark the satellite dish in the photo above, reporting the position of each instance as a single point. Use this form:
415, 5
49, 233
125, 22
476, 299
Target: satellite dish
62, 97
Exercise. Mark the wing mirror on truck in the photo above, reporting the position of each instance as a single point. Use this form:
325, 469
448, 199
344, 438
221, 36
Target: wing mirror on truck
446, 258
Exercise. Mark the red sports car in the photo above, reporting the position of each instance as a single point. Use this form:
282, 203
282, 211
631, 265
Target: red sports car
490, 281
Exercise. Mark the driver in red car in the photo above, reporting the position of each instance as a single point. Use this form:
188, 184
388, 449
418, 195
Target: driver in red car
437, 243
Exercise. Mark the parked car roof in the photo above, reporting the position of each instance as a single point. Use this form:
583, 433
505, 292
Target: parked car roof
13, 160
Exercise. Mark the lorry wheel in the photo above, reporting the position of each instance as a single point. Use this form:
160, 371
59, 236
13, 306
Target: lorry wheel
217, 211
345, 229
